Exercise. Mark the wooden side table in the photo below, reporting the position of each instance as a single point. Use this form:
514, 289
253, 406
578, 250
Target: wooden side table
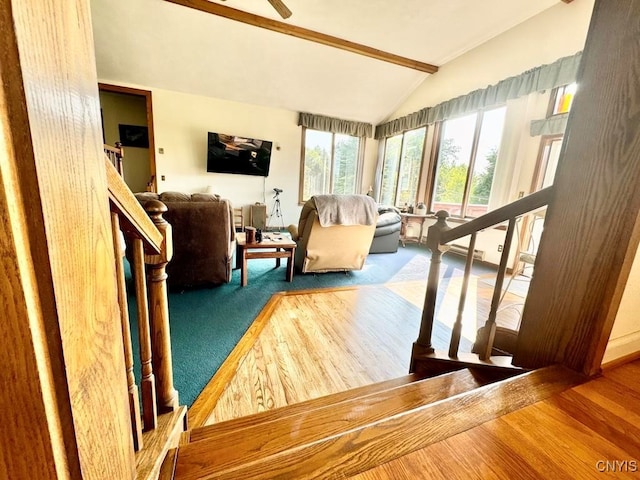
408, 218
272, 246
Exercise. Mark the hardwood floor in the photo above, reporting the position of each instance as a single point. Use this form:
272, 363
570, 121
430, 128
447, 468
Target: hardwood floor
313, 343
309, 344
589, 431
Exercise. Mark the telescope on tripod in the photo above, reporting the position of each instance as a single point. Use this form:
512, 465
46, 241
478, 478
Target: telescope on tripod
276, 211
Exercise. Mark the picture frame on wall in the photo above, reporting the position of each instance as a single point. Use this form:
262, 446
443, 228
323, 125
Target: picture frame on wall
134, 135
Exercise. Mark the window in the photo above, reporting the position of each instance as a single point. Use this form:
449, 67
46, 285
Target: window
467, 155
563, 99
401, 167
331, 163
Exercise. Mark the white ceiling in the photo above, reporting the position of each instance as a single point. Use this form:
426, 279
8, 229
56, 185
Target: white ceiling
154, 43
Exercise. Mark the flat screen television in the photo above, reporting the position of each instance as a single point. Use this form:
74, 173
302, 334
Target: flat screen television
241, 155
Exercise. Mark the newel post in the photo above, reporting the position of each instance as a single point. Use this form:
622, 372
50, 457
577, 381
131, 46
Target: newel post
159, 310
423, 344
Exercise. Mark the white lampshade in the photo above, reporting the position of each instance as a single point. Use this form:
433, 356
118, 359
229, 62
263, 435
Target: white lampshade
210, 190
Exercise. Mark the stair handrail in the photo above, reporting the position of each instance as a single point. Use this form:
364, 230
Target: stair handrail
149, 237
133, 217
115, 154
495, 217
438, 236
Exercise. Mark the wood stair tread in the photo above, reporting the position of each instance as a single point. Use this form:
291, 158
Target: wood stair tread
334, 418
356, 449
306, 406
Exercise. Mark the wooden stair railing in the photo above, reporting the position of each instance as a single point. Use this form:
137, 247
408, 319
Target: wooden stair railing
149, 237
115, 154
439, 235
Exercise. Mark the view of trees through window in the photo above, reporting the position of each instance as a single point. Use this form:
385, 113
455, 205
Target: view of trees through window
330, 163
466, 163
401, 167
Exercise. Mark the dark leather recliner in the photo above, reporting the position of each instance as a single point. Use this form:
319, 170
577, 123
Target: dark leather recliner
387, 234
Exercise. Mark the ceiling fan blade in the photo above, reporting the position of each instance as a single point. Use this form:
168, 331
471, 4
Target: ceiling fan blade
281, 8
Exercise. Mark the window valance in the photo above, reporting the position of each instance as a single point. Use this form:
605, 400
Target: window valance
335, 125
544, 77
555, 125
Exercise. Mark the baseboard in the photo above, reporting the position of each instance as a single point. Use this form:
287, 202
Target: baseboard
622, 350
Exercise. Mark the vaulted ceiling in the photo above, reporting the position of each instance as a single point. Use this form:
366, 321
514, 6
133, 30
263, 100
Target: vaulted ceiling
155, 43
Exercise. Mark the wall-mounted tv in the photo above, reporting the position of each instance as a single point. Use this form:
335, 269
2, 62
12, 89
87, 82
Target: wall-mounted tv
233, 154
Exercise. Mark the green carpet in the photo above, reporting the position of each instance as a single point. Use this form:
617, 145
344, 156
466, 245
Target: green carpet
207, 323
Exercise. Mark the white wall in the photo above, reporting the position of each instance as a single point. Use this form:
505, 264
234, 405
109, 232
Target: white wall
557, 32
625, 336
181, 123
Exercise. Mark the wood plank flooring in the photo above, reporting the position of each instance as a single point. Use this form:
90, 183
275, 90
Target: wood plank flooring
589, 431
310, 344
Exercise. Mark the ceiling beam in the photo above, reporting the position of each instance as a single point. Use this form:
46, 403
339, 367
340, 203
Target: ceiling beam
299, 32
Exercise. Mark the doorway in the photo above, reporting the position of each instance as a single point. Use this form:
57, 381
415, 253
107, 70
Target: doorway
127, 117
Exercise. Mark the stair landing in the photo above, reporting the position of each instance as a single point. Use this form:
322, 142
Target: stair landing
589, 431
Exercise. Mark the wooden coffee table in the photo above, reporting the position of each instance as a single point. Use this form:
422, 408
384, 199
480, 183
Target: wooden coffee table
273, 245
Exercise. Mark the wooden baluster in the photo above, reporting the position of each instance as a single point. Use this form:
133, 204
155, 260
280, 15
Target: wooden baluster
134, 403
457, 326
167, 396
489, 329
423, 344
148, 381
118, 159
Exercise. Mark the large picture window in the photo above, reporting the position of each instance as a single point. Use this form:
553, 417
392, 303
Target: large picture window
331, 163
467, 155
401, 167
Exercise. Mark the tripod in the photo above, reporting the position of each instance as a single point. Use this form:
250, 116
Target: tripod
276, 211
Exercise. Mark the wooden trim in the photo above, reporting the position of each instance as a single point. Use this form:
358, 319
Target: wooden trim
538, 173
502, 214
206, 401
303, 33
632, 357
424, 168
433, 166
303, 142
106, 87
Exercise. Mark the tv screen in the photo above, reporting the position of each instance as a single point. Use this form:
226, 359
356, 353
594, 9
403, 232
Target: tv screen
233, 154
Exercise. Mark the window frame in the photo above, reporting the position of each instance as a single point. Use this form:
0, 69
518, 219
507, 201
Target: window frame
359, 162
400, 161
555, 98
435, 153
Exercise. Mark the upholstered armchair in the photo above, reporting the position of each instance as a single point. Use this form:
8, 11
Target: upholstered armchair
334, 233
203, 238
387, 235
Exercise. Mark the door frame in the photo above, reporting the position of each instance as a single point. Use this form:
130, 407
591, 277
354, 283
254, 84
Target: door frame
106, 87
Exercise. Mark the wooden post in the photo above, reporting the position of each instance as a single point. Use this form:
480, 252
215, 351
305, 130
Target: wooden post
423, 344
159, 309
148, 381
592, 226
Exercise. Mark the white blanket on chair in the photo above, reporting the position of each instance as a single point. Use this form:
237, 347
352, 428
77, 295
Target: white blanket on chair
345, 210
